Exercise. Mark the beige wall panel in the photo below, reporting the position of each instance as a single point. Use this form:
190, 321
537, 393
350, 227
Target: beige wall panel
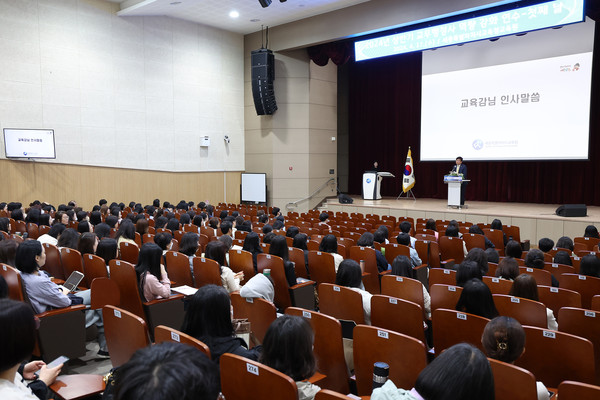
60, 183
574, 229
552, 229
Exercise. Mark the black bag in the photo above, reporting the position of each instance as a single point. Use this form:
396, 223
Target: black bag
345, 199
75, 300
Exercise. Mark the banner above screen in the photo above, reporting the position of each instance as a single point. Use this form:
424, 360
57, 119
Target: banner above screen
508, 22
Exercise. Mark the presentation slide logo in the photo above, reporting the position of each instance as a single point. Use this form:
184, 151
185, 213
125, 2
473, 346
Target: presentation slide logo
478, 144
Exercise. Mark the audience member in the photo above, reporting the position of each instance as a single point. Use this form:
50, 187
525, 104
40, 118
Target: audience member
590, 266
545, 244
152, 277
478, 256
525, 287
252, 245
466, 271
476, 298
329, 245
404, 239
507, 269
279, 248
366, 240
402, 266
216, 251
349, 275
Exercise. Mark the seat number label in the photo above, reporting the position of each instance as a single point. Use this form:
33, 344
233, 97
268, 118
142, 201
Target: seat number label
253, 369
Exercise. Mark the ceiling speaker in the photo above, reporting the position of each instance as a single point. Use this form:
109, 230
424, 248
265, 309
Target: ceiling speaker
265, 3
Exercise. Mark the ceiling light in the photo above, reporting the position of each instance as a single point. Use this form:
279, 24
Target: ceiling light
255, 20
234, 14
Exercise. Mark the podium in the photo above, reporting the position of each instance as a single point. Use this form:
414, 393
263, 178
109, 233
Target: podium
372, 184
454, 185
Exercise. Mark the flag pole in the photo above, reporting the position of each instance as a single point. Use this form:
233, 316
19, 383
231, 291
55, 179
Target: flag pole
408, 179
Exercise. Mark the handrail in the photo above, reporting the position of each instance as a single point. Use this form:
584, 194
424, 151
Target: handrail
295, 203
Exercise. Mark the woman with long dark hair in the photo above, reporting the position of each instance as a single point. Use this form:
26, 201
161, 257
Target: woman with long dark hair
153, 280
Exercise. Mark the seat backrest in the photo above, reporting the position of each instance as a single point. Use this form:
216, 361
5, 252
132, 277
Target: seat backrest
326, 394
570, 390
444, 296
72, 261
587, 286
206, 272
13, 279
165, 334
282, 299
403, 288
328, 348
496, 236
583, 323
53, 263
104, 292
405, 355
527, 312
297, 257
178, 268
596, 302
261, 314
93, 267
541, 276
123, 273
129, 252
452, 248
555, 298
497, 285
451, 327
589, 242
474, 240
241, 261
370, 281
512, 382
512, 232
238, 374
393, 250
397, 315
341, 302
553, 356
125, 334
442, 276
321, 266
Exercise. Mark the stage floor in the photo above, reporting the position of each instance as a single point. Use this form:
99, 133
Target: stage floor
535, 220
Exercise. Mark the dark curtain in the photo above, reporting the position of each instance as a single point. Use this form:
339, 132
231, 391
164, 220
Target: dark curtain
384, 120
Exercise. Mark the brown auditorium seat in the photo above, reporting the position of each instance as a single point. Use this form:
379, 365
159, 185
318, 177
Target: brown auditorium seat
587, 286
321, 266
259, 312
403, 288
497, 285
555, 298
178, 268
570, 390
527, 312
206, 272
451, 248
72, 261
398, 315
512, 382
241, 261
121, 346
444, 296
93, 267
585, 324
129, 252
238, 374
371, 273
442, 276
451, 327
341, 302
165, 334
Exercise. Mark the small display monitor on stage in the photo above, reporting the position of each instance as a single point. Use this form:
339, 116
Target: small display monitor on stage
29, 143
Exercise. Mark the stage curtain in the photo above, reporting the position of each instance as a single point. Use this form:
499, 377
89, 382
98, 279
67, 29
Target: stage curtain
338, 52
384, 102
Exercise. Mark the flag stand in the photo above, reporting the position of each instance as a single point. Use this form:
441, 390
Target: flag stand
408, 194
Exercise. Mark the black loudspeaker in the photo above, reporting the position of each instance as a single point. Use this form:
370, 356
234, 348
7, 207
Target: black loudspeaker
263, 74
345, 199
572, 210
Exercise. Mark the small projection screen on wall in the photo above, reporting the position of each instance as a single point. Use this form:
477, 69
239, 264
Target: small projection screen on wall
29, 143
254, 188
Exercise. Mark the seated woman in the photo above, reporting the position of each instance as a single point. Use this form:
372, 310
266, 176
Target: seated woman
590, 266
259, 286
565, 242
453, 231
462, 372
478, 256
8, 252
591, 231
430, 224
107, 250
503, 339
404, 239
142, 226
88, 243
301, 242
477, 230
164, 240
216, 251
535, 259
349, 275
126, 233
366, 240
288, 348
17, 341
208, 319
513, 249
279, 248
329, 245
476, 298
507, 269
466, 271
152, 277
69, 238
525, 286
402, 266
84, 227
497, 225
44, 294
252, 245
168, 371
190, 242
562, 257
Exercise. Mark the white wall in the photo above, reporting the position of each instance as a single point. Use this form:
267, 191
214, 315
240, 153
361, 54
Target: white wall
133, 92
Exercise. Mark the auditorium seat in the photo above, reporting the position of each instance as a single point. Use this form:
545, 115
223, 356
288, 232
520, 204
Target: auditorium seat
341, 302
297, 257
165, 334
451, 248
554, 356
178, 268
405, 355
442, 276
72, 261
587, 286
541, 276
244, 379
393, 250
451, 327
206, 272
474, 240
527, 312
496, 236
429, 253
93, 267
129, 252
585, 324
328, 348
571, 390
512, 382
53, 263
121, 346
403, 288
321, 266
259, 312
497, 285
398, 315
371, 276
444, 296
555, 298
588, 242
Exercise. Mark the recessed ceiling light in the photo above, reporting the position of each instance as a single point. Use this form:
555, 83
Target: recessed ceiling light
234, 14
255, 20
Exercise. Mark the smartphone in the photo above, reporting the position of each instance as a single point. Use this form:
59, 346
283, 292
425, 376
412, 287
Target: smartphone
56, 362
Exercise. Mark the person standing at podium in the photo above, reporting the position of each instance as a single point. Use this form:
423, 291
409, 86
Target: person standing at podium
461, 168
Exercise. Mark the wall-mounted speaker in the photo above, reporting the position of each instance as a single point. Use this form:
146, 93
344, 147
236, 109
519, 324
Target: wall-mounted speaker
262, 75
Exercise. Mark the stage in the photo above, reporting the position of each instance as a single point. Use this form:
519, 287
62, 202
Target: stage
534, 220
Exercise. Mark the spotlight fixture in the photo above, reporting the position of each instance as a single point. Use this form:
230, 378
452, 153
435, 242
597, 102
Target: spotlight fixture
267, 3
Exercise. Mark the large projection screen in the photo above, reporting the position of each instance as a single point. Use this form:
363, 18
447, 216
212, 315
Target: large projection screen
520, 98
254, 187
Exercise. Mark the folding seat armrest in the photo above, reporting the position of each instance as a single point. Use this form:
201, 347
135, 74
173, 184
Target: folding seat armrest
303, 295
448, 264
61, 311
171, 297
303, 284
